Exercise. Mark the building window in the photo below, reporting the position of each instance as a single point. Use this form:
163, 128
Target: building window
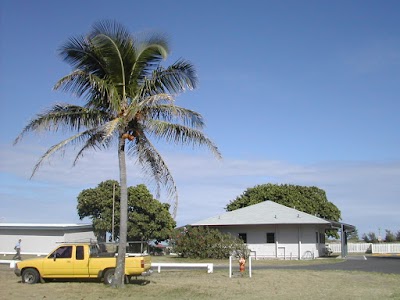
270, 237
317, 237
243, 237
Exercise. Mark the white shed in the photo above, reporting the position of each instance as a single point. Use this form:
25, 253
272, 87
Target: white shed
272, 230
41, 238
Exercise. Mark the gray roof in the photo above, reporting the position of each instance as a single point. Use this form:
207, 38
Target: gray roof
36, 226
266, 212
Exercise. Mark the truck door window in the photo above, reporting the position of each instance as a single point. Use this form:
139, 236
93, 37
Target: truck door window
62, 252
79, 253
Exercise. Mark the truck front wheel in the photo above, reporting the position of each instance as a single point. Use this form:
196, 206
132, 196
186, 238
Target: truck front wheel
108, 276
30, 276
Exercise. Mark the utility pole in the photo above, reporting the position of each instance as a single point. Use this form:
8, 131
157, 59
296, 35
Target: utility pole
112, 230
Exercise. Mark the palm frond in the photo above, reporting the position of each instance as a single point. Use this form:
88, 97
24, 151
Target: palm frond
107, 53
65, 117
142, 109
154, 42
149, 55
155, 100
175, 114
110, 28
110, 128
117, 48
81, 55
80, 82
154, 166
73, 140
174, 79
119, 35
181, 134
108, 48
96, 140
100, 93
100, 137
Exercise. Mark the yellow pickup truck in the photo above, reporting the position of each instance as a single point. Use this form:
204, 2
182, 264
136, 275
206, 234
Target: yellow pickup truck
81, 260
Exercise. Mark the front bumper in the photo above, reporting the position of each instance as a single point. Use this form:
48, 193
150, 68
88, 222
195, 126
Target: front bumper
17, 272
147, 273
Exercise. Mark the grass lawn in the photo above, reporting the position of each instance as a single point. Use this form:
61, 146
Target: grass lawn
197, 284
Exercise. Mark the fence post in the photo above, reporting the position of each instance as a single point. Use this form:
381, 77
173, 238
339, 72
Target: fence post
230, 266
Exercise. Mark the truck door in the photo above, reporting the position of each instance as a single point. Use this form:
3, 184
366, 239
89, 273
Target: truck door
59, 263
81, 264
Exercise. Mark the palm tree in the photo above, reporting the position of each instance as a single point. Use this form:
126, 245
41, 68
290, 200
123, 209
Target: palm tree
129, 100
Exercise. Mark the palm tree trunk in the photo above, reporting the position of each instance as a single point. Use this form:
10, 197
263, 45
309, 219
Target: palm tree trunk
118, 280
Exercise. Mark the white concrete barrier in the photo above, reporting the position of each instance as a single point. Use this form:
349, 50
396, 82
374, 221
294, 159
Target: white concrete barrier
25, 253
209, 266
10, 262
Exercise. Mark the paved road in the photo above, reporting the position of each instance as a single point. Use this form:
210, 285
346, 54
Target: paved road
389, 265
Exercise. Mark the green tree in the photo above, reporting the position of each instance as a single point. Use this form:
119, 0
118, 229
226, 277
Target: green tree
97, 204
353, 236
148, 218
203, 242
129, 100
398, 236
311, 200
390, 236
370, 238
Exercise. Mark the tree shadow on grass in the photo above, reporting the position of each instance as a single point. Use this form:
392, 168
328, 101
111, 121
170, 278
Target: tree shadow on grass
136, 281
139, 281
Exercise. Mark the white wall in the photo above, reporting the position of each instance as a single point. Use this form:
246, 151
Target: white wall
32, 243
288, 241
287, 244
39, 241
308, 241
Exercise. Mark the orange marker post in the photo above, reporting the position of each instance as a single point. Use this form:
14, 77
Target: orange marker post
242, 264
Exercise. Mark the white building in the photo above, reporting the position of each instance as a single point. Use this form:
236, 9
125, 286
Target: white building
272, 230
41, 238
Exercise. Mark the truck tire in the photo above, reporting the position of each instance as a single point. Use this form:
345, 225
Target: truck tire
127, 279
30, 276
108, 276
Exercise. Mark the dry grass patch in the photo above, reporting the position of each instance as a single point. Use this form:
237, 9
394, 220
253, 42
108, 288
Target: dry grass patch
271, 284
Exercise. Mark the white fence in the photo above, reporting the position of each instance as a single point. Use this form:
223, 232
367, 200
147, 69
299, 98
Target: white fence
385, 248
367, 248
352, 248
209, 266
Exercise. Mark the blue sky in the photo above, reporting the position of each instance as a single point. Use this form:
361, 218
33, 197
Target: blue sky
299, 92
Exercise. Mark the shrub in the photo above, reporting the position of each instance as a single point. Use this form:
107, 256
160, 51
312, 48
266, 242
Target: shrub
203, 242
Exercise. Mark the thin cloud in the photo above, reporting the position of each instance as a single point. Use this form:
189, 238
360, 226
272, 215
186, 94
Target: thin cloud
365, 192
